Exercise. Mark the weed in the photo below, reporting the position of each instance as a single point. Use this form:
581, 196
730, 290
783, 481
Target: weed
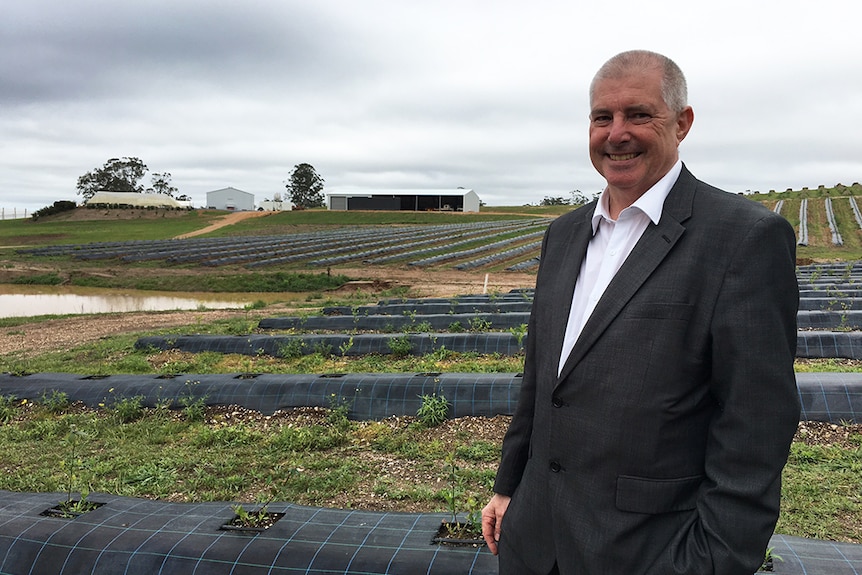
7, 408
194, 408
51, 279
478, 323
439, 354
478, 451
125, 409
257, 304
455, 327
312, 438
338, 412
400, 346
292, 349
434, 410
229, 436
55, 402
423, 327
323, 348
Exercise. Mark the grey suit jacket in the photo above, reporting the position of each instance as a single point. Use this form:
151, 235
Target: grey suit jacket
659, 448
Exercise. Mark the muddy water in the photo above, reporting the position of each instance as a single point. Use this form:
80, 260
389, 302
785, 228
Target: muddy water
27, 302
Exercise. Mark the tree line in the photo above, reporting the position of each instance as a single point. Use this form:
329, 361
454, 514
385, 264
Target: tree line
304, 187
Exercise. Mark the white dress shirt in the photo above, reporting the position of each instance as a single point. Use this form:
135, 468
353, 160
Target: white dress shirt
612, 242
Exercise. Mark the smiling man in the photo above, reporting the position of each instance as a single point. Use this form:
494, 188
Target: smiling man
658, 400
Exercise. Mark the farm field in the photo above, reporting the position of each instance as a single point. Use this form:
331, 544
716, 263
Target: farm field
819, 480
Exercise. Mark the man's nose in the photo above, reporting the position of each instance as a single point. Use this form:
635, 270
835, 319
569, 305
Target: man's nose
619, 130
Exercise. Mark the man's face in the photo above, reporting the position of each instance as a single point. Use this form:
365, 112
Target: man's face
634, 136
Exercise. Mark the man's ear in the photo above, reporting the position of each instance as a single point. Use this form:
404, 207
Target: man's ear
683, 123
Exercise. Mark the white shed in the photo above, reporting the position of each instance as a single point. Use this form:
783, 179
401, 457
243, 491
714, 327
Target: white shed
275, 206
134, 199
457, 200
230, 199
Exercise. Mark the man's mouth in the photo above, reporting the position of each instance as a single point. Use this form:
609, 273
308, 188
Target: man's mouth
621, 157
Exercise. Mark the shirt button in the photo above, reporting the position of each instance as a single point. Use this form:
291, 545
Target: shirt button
556, 467
557, 402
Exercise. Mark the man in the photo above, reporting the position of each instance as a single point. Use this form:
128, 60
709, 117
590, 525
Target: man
658, 400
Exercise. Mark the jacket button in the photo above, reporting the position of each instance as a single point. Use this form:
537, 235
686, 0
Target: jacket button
557, 402
556, 467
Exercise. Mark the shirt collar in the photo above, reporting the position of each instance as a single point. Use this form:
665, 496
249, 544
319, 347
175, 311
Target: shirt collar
650, 203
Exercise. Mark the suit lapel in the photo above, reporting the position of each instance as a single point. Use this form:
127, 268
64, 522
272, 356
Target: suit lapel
653, 246
581, 232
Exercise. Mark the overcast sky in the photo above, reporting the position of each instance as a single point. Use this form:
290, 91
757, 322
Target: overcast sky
489, 95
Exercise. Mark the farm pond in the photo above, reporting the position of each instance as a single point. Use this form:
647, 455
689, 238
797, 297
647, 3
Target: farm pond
24, 301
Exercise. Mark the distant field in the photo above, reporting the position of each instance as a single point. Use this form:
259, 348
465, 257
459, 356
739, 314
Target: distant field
125, 225
87, 226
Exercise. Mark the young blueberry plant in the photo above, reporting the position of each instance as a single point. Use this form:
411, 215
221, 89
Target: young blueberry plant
73, 464
471, 528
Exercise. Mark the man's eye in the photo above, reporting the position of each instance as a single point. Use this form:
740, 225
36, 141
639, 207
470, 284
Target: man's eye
601, 120
640, 118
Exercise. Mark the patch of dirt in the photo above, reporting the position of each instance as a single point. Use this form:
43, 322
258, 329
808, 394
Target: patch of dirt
66, 333
845, 436
227, 220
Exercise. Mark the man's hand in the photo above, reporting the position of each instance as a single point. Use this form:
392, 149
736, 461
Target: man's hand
492, 516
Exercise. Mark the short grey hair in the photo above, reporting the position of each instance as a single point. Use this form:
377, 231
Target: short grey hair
674, 90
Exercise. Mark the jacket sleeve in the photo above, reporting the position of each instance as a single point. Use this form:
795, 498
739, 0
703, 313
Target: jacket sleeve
753, 342
516, 443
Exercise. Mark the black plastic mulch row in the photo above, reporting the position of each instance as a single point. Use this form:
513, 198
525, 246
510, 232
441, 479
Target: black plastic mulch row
131, 536
370, 396
452, 306
503, 343
831, 397
466, 321
806, 319
809, 344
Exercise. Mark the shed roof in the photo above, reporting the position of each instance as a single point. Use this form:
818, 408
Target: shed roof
135, 199
230, 189
398, 192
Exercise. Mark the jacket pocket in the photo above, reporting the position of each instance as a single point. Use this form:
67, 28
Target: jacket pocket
646, 495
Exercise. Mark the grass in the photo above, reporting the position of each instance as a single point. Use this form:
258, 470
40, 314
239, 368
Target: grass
820, 494
326, 460
53, 230
179, 455
218, 282
161, 455
116, 354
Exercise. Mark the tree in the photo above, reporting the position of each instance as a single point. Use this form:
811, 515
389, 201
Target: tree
305, 187
161, 184
117, 175
554, 201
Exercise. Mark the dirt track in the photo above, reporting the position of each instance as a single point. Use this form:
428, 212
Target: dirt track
227, 220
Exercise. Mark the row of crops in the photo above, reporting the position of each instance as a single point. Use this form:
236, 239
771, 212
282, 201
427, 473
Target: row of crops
823, 221
512, 245
515, 243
